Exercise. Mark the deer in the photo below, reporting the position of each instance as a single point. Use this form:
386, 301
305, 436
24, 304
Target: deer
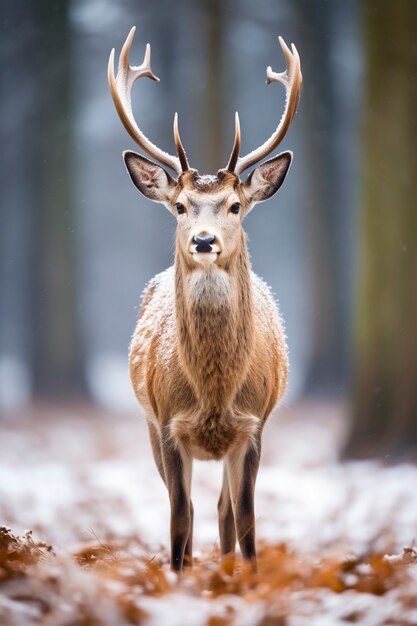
208, 357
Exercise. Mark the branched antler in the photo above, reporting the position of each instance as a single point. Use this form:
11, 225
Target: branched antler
292, 81
121, 88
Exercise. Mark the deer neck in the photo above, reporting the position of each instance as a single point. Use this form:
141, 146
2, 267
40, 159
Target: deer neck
215, 328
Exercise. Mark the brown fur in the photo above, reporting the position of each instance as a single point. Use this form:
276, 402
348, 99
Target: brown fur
223, 366
208, 362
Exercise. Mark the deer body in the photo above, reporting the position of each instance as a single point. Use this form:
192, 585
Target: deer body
208, 358
197, 361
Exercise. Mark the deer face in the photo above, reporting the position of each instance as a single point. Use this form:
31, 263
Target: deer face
209, 209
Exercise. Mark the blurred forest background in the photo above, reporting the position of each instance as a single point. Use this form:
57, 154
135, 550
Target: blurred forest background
338, 245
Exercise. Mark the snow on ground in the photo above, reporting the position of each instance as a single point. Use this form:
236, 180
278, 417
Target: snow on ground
74, 476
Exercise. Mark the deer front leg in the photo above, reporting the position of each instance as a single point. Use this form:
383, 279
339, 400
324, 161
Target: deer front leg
177, 470
227, 528
188, 552
242, 468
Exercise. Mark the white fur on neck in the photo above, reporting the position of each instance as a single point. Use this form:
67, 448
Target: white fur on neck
211, 285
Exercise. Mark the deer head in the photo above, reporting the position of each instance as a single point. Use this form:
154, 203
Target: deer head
209, 209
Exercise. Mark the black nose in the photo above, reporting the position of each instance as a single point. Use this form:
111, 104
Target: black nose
204, 242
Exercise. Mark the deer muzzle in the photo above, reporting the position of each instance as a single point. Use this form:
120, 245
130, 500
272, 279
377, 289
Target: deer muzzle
205, 247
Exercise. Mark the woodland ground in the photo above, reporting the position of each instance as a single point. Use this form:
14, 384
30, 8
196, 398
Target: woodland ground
84, 482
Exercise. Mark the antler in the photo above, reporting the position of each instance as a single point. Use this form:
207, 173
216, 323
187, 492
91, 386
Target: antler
120, 89
292, 80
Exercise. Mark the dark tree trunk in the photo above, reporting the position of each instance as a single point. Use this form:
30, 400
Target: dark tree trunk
318, 119
212, 105
330, 106
385, 398
57, 353
18, 184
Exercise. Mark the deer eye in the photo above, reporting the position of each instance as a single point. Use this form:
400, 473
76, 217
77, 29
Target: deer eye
235, 208
180, 208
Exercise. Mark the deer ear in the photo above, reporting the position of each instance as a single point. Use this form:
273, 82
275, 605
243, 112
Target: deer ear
151, 179
266, 179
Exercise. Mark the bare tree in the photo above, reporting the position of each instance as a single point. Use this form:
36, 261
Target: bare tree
57, 354
385, 399
18, 107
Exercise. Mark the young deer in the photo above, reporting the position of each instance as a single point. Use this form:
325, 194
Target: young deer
208, 359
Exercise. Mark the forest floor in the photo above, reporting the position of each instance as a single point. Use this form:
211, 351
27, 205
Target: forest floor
85, 485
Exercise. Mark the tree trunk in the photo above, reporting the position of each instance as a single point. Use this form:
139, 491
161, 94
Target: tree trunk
385, 374
57, 353
18, 184
212, 106
329, 53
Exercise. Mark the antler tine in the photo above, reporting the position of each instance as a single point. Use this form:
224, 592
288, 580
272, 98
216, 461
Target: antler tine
180, 148
292, 80
236, 146
120, 89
